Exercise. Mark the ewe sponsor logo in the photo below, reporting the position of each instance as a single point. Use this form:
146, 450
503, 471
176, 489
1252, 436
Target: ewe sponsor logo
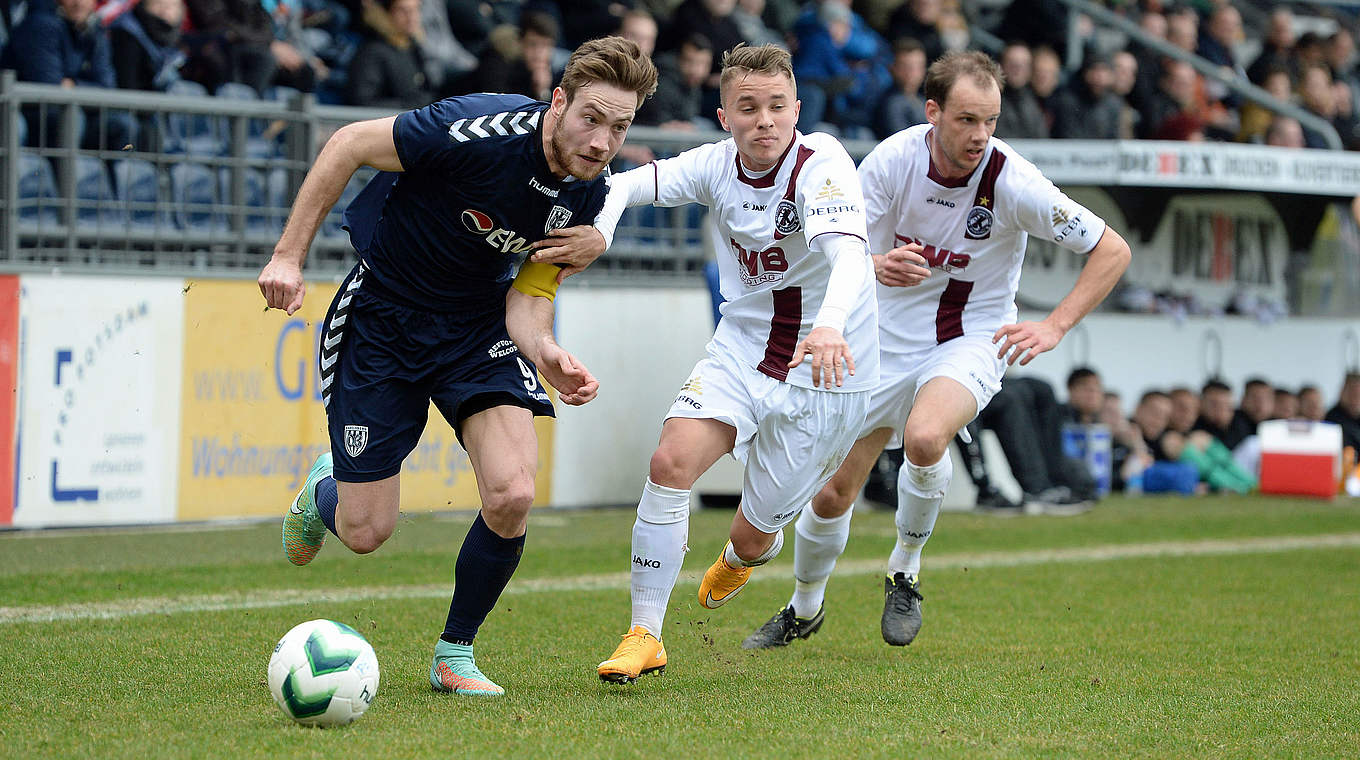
500, 238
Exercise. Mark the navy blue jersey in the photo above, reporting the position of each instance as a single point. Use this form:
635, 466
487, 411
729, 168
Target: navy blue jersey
445, 234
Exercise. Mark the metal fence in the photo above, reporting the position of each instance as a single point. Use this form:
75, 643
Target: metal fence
183, 183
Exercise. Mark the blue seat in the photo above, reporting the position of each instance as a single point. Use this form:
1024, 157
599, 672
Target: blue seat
193, 192
37, 199
237, 91
278, 203
256, 145
138, 189
96, 205
255, 199
195, 134
280, 93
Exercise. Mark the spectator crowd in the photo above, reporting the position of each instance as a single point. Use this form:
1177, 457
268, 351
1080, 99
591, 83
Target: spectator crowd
1179, 440
860, 65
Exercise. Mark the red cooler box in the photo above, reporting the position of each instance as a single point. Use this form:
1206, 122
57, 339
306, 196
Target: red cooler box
1300, 457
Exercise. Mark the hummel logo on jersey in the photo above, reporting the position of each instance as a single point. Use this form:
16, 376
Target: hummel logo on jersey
644, 562
539, 186
506, 241
356, 439
492, 125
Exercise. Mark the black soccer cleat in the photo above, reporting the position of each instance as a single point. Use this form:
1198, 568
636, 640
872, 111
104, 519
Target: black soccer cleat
783, 628
901, 609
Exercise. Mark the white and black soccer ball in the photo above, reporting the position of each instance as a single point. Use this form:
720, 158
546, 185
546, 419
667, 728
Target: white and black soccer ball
323, 673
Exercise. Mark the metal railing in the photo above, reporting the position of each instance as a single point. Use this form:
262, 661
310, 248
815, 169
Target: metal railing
204, 185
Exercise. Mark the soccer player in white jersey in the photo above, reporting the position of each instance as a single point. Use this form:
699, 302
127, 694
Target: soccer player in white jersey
950, 209
786, 382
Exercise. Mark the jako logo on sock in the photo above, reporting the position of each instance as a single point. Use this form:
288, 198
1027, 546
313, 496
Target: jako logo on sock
644, 562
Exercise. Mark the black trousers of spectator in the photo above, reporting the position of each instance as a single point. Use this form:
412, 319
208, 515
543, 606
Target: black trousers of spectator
1026, 419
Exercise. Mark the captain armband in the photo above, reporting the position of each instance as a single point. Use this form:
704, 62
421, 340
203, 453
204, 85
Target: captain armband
536, 279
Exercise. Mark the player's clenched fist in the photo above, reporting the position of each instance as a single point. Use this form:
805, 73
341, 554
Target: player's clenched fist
574, 383
282, 285
828, 350
901, 267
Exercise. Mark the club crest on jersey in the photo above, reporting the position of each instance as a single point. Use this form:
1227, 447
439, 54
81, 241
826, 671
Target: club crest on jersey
356, 439
786, 221
558, 217
979, 223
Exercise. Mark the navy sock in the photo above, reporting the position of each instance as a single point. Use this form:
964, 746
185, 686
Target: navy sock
485, 564
327, 499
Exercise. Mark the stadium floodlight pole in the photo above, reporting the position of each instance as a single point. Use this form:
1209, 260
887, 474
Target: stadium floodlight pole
1240, 86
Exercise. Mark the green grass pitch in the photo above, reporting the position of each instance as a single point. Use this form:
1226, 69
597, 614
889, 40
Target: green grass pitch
1217, 627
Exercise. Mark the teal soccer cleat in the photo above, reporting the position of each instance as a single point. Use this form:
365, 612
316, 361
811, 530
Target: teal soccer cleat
303, 531
455, 670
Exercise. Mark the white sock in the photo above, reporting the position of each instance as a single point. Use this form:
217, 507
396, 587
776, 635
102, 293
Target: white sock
920, 490
659, 537
731, 558
817, 543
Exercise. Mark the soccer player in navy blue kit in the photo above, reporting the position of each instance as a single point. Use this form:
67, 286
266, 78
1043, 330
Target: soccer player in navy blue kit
432, 313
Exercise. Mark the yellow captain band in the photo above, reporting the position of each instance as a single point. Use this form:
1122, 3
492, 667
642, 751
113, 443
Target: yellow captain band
537, 280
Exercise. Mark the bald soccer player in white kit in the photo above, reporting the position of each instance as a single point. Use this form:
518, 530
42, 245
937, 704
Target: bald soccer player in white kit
952, 208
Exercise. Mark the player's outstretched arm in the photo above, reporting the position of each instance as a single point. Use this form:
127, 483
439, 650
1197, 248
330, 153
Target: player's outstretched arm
1105, 264
529, 320
364, 143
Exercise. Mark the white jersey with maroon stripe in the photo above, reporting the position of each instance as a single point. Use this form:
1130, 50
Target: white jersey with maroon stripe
772, 281
974, 230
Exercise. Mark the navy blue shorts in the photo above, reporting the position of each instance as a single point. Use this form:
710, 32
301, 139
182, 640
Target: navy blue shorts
383, 363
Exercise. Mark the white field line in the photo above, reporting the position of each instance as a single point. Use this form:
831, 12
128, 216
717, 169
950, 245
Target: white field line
118, 609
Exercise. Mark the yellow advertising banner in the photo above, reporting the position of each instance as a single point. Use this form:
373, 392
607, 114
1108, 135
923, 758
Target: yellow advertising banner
252, 420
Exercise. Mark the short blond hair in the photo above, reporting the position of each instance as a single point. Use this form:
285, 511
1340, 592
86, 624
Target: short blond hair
744, 60
614, 61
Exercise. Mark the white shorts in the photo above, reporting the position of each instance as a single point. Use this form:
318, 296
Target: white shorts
969, 360
791, 439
